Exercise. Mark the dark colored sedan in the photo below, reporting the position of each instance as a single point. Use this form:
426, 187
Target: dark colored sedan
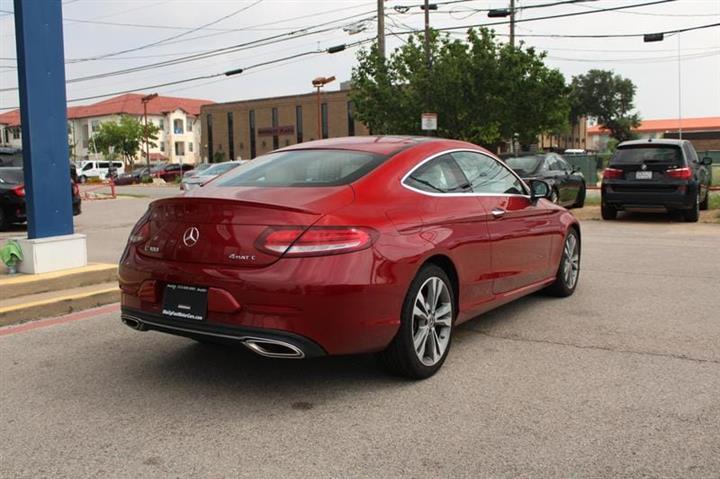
656, 174
172, 171
567, 183
350, 245
12, 197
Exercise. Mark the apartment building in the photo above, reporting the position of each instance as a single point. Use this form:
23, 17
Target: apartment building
177, 119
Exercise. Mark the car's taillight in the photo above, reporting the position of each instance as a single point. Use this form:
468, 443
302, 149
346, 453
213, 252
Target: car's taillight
316, 241
19, 191
680, 173
613, 174
141, 232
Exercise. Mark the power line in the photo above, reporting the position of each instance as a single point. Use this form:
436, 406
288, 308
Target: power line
212, 53
173, 37
330, 50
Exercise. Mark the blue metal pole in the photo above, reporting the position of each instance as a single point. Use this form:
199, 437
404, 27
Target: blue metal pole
41, 78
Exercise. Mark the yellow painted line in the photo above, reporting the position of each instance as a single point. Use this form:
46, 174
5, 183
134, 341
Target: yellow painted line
30, 278
57, 299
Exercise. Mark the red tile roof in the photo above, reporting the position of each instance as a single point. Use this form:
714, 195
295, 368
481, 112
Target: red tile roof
709, 123
10, 118
128, 104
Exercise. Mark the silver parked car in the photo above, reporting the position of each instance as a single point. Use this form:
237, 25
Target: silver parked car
207, 174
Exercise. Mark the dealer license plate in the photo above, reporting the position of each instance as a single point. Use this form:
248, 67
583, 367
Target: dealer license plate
185, 302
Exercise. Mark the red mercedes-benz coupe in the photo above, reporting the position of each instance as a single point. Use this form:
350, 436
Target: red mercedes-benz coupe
351, 245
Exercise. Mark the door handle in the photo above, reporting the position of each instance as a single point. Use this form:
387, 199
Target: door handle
498, 212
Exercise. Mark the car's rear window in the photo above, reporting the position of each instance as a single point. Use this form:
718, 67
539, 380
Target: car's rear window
524, 165
648, 154
13, 176
219, 169
304, 168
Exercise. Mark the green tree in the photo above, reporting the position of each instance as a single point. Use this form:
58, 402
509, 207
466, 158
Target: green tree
482, 91
125, 137
608, 98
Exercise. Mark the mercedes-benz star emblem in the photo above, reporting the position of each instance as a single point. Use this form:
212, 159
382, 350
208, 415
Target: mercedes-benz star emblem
191, 236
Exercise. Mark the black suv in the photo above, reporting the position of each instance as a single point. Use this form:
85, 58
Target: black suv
656, 174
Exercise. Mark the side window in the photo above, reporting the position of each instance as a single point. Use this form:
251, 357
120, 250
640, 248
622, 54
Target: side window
487, 175
690, 153
563, 165
440, 175
87, 167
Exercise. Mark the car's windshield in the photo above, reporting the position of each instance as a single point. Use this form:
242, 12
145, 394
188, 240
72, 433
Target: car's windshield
13, 176
647, 154
524, 165
219, 169
304, 168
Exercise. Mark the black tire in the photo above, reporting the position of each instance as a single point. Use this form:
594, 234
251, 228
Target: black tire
563, 287
400, 357
693, 214
580, 200
705, 204
608, 212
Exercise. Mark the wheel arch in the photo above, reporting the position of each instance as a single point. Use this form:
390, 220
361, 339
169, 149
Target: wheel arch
448, 266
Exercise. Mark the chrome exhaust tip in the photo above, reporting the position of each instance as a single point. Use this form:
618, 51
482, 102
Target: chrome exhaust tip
133, 323
271, 348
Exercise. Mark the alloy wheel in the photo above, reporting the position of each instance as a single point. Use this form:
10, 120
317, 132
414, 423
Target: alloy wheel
432, 321
571, 261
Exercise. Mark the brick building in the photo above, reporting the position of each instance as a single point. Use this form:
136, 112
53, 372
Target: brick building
249, 128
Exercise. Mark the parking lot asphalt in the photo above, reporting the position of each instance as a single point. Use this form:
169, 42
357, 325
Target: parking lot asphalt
620, 380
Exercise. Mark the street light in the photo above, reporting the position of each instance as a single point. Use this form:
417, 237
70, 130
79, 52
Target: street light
659, 37
145, 100
318, 83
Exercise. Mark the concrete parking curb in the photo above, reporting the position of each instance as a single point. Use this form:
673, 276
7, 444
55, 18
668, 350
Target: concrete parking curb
58, 304
22, 285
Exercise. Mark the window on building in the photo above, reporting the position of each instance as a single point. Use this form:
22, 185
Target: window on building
251, 121
178, 126
324, 115
209, 137
16, 133
162, 146
190, 146
351, 118
190, 122
95, 125
298, 123
161, 124
231, 136
179, 148
276, 137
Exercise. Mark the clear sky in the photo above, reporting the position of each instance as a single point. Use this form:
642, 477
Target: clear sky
152, 31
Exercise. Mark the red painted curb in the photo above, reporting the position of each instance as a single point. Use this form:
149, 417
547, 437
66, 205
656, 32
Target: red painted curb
45, 323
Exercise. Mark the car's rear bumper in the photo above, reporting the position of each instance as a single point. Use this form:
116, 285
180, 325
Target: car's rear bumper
644, 196
270, 343
345, 304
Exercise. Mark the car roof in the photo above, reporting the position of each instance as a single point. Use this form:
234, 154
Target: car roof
652, 141
378, 144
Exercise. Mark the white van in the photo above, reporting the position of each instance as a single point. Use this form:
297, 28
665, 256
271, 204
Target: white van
98, 169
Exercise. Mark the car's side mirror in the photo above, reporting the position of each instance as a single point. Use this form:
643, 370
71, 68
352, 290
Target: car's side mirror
539, 189
707, 161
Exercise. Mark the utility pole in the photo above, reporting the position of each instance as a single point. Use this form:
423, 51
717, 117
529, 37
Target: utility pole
427, 33
381, 27
145, 101
512, 22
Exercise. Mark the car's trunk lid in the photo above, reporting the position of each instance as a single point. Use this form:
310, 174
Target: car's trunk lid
221, 225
